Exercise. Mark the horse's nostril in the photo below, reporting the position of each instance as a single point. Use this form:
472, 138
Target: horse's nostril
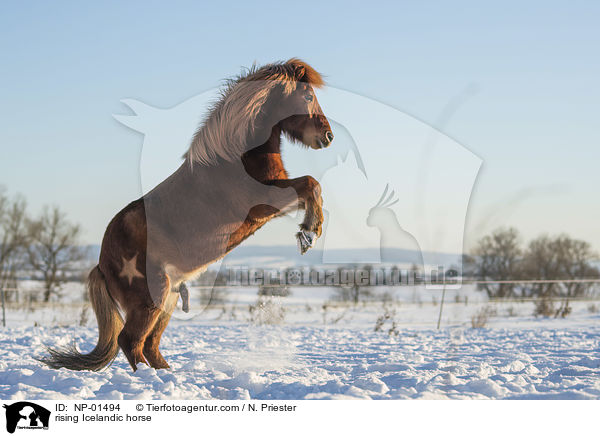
329, 136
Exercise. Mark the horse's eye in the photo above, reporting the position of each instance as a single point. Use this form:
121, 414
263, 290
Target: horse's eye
308, 97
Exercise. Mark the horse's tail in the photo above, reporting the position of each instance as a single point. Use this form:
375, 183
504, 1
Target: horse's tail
110, 325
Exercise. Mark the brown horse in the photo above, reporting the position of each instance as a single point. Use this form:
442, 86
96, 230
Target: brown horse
231, 183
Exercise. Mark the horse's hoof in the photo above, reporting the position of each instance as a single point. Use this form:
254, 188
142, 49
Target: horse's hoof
305, 240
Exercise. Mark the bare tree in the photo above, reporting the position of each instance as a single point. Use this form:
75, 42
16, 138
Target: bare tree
560, 258
541, 262
53, 248
497, 257
576, 260
13, 238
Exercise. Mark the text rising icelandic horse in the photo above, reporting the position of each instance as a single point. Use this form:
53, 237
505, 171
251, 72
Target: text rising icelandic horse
231, 183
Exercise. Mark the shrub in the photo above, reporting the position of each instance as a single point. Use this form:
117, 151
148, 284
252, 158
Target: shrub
388, 315
481, 318
544, 307
564, 310
84, 315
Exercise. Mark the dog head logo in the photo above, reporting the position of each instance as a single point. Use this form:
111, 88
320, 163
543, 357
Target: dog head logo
26, 415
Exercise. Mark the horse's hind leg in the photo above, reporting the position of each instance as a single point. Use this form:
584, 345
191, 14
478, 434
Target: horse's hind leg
151, 344
143, 311
139, 322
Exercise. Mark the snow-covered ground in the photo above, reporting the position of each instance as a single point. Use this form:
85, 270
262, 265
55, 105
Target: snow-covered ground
323, 350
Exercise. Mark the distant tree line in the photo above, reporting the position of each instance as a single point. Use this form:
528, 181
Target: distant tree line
502, 256
45, 245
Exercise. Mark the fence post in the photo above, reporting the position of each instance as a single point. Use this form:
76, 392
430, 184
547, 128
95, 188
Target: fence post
441, 306
3, 308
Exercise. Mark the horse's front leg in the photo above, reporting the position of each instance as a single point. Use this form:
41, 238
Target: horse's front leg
309, 198
312, 225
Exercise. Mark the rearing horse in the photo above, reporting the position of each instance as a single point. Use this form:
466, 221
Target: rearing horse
231, 183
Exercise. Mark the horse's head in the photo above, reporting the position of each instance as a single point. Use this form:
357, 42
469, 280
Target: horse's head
274, 98
308, 125
295, 107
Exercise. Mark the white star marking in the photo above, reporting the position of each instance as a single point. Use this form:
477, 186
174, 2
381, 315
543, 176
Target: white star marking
129, 269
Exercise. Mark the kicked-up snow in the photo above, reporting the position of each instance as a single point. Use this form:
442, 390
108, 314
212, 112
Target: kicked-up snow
210, 359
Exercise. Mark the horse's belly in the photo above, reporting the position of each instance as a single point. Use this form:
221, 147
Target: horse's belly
176, 275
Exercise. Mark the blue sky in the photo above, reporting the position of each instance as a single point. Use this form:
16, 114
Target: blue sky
532, 117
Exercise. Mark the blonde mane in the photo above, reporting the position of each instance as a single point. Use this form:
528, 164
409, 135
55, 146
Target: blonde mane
225, 131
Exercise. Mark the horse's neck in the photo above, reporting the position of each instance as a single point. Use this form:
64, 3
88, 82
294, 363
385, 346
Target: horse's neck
265, 167
272, 145
264, 162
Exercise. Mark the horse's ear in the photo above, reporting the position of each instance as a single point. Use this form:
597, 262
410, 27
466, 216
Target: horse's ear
305, 73
298, 68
